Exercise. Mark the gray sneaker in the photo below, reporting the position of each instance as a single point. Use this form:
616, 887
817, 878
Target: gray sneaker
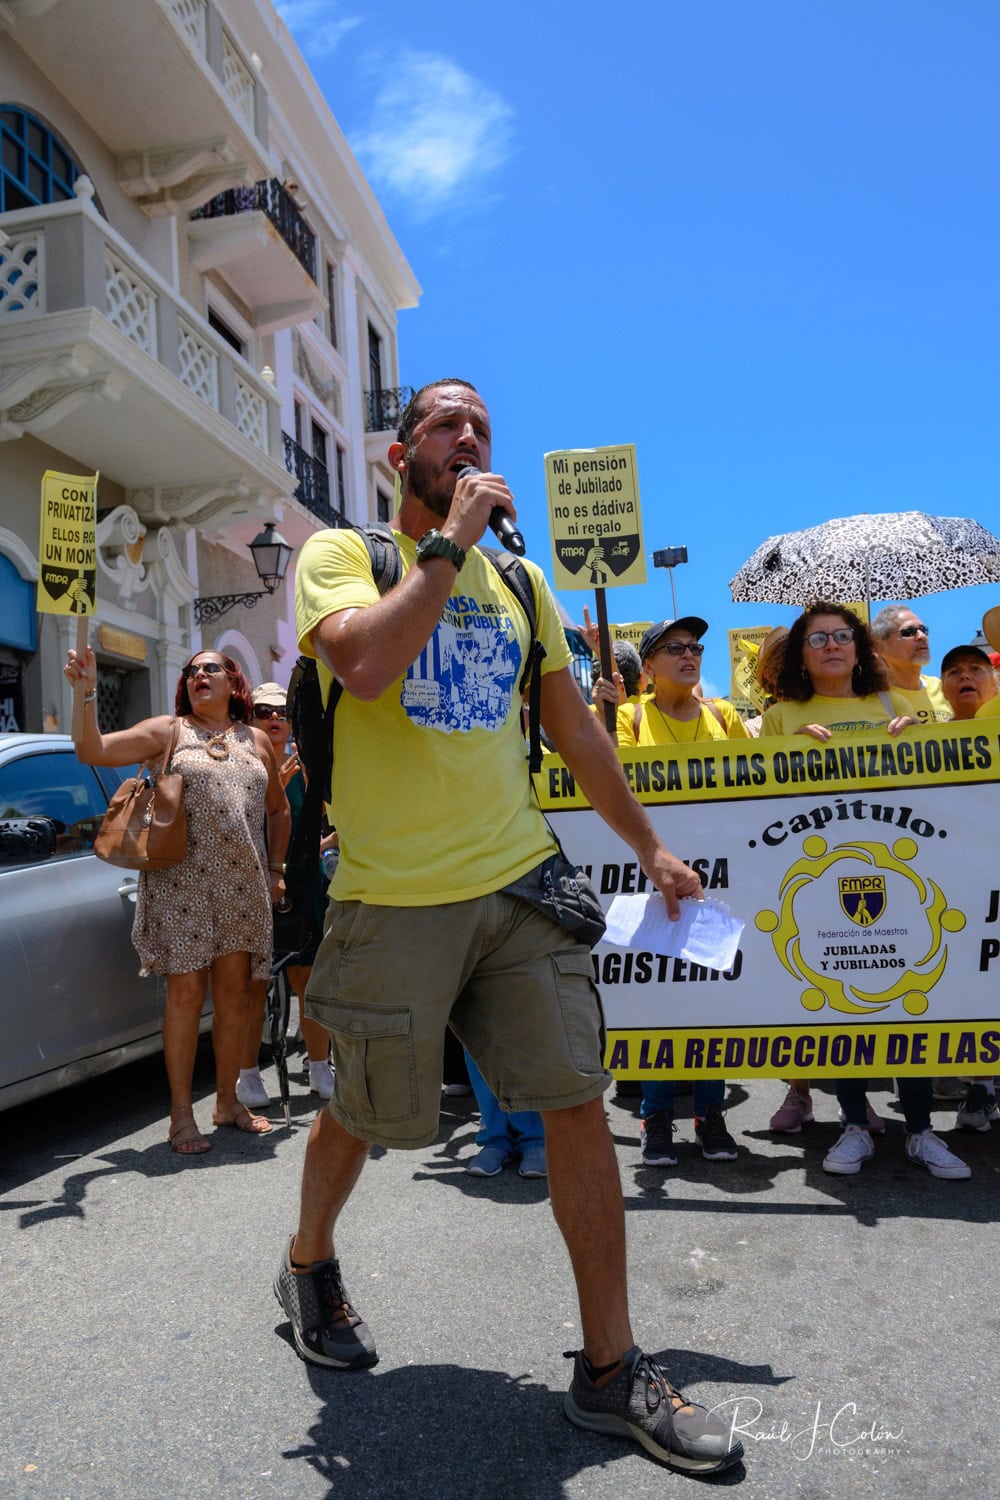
977, 1110
640, 1403
325, 1327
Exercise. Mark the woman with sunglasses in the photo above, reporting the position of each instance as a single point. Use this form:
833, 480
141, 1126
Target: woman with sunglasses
674, 713
205, 923
833, 682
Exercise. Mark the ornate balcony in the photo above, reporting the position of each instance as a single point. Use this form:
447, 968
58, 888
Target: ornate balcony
313, 487
101, 356
383, 408
257, 238
180, 104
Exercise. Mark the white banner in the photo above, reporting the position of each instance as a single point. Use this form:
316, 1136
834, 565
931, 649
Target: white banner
867, 875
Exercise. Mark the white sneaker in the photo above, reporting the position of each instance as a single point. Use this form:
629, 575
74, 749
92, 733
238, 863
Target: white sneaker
846, 1156
321, 1079
250, 1089
930, 1150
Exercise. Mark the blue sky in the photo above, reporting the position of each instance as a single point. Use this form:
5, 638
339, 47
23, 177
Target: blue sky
756, 238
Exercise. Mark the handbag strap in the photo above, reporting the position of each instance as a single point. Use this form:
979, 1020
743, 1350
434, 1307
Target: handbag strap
168, 753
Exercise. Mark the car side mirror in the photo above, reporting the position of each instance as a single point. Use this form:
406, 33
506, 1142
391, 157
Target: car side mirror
24, 839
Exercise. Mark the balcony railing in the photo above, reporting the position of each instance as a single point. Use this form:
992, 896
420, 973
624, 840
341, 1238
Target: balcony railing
270, 198
384, 408
313, 487
65, 257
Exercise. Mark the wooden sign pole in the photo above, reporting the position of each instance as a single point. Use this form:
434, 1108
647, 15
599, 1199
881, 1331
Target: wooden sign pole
607, 658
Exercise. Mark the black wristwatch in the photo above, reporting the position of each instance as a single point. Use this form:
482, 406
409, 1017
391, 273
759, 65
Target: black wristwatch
433, 544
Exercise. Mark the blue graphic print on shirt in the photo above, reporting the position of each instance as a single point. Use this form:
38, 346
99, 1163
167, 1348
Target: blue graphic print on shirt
466, 674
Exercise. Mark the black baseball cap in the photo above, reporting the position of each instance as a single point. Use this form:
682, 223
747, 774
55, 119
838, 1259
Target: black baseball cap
958, 651
654, 635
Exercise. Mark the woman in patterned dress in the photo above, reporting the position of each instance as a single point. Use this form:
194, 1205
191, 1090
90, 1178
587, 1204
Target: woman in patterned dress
206, 922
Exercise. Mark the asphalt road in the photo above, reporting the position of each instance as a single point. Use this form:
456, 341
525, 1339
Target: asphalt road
850, 1324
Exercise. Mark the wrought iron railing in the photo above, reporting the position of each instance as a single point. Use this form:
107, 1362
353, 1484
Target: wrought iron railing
383, 408
268, 197
313, 487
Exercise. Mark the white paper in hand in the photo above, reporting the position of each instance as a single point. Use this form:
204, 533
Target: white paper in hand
706, 932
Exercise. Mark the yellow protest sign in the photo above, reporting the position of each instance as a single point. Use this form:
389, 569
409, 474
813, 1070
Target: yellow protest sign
67, 547
633, 632
594, 517
745, 692
860, 608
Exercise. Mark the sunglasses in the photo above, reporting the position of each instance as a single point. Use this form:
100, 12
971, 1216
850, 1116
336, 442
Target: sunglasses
819, 638
265, 711
678, 648
210, 669
909, 631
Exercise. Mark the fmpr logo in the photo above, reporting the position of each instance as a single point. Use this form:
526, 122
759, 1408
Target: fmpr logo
865, 972
862, 898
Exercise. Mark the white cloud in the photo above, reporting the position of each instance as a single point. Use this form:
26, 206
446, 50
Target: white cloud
435, 133
314, 26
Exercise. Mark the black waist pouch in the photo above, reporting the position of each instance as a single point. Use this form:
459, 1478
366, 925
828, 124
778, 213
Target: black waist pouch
563, 892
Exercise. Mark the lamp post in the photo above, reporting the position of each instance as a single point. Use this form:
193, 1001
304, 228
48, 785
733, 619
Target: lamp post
670, 558
271, 555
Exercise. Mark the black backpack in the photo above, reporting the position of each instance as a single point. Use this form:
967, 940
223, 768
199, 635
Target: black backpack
312, 720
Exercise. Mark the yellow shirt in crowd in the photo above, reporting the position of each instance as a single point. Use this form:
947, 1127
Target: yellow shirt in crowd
846, 715
990, 709
658, 728
431, 792
928, 704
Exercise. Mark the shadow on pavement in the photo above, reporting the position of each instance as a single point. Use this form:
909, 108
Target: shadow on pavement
434, 1430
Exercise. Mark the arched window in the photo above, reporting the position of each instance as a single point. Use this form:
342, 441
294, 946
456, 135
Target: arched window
35, 166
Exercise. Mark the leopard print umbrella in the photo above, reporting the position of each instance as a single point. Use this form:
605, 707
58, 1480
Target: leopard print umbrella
903, 555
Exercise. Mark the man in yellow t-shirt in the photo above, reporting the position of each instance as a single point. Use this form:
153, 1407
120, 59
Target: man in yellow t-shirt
902, 640
435, 919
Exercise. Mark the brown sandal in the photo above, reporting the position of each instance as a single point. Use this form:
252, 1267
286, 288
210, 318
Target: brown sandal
187, 1139
250, 1124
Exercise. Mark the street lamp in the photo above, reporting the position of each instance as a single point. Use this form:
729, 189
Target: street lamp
271, 555
670, 558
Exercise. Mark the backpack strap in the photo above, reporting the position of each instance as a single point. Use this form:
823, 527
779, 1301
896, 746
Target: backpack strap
716, 713
518, 580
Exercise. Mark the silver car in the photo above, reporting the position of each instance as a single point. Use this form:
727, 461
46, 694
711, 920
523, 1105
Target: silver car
74, 1004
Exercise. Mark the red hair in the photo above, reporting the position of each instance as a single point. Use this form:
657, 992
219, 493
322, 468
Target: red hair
240, 699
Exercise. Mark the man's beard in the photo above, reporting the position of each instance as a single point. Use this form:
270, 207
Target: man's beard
420, 485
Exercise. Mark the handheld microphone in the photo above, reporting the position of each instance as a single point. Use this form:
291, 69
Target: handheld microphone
501, 524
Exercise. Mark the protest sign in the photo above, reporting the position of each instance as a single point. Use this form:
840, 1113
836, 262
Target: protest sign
864, 869
594, 517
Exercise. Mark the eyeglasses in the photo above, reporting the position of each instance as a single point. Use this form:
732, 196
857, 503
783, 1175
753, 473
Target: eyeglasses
264, 711
819, 638
210, 669
678, 648
909, 631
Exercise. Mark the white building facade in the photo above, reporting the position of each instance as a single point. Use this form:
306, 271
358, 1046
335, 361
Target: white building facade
198, 298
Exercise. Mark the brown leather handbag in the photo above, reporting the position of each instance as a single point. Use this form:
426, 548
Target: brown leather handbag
145, 827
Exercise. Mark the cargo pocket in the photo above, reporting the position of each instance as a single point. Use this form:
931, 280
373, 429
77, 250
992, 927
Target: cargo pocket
375, 1066
580, 1003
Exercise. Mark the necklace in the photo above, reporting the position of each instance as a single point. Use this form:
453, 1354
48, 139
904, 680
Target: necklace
215, 745
668, 724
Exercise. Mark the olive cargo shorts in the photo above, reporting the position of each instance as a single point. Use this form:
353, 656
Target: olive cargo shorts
517, 989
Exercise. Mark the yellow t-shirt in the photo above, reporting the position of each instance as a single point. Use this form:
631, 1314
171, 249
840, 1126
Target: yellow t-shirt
928, 704
658, 728
990, 709
431, 793
843, 715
